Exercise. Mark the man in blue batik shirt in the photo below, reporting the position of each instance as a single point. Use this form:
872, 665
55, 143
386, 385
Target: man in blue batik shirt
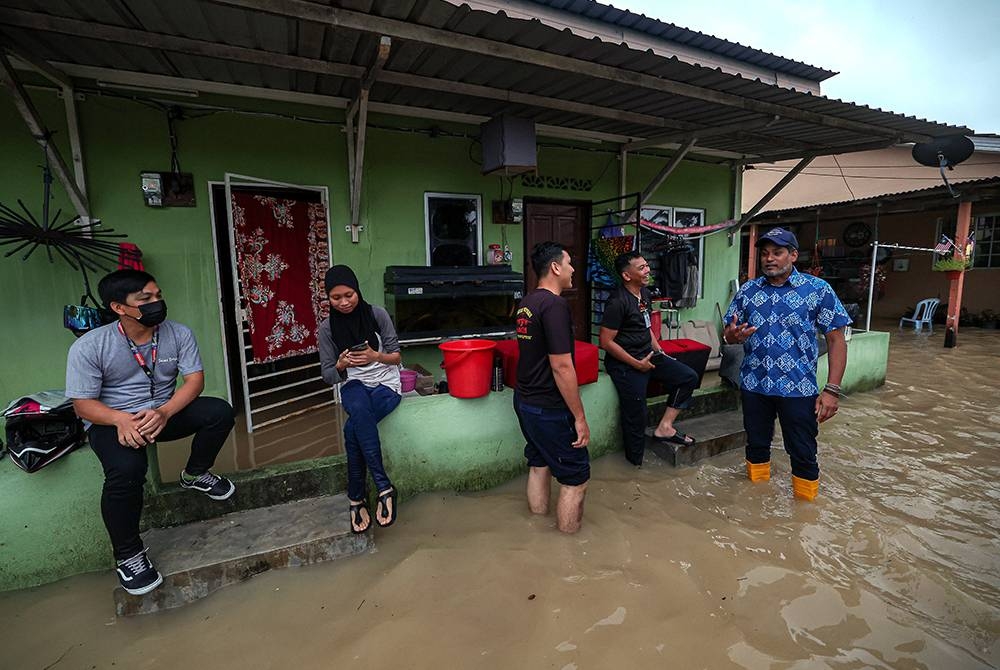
775, 317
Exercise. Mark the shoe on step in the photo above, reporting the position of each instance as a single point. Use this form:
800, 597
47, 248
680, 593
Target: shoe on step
212, 485
137, 574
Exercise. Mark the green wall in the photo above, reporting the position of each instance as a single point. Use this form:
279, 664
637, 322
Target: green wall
51, 521
121, 138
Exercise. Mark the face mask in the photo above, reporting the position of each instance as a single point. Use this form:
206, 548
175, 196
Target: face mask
152, 313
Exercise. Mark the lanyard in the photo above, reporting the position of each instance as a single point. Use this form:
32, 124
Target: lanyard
141, 360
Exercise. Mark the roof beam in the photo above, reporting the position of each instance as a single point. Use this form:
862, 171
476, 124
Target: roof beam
65, 84
185, 45
770, 195
337, 17
662, 175
39, 65
41, 134
671, 138
357, 134
166, 83
142, 38
532, 100
887, 206
825, 151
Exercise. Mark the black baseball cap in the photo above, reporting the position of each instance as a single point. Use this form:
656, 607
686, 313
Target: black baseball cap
780, 237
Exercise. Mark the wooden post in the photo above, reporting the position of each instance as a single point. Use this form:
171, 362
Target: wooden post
622, 176
38, 131
957, 284
752, 253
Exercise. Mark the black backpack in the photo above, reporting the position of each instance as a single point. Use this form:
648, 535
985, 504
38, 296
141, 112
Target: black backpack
41, 428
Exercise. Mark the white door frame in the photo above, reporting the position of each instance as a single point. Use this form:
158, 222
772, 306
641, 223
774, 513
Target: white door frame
229, 182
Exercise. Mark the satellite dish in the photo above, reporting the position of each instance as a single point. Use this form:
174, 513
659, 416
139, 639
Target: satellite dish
944, 152
952, 150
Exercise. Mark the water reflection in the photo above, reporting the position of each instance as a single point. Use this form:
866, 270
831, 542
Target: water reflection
896, 565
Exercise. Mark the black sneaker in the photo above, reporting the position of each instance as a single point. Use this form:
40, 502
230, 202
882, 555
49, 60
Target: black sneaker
137, 575
212, 485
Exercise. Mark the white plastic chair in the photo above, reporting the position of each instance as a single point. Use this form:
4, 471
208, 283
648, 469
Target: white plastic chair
923, 314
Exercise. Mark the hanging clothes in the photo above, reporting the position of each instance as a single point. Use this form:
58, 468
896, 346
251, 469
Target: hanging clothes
675, 262
690, 297
129, 257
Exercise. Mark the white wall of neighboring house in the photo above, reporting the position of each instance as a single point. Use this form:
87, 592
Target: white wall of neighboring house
862, 175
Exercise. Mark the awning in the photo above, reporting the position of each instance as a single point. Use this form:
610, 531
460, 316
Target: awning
451, 62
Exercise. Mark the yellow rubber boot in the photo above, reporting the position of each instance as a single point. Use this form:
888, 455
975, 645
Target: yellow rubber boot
759, 472
805, 489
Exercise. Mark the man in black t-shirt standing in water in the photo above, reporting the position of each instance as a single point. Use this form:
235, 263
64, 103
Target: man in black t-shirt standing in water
547, 399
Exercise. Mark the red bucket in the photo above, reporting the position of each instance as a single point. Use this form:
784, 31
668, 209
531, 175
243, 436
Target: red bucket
469, 367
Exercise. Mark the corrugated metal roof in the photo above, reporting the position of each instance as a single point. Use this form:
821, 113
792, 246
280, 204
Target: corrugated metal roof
272, 36
964, 188
624, 18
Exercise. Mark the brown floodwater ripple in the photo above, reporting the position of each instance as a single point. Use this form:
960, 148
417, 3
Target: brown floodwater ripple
896, 565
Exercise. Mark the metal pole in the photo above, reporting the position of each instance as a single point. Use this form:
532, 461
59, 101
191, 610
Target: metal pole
871, 288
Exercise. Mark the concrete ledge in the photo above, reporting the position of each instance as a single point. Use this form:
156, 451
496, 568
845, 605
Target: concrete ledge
716, 434
170, 505
867, 363
714, 399
444, 443
200, 558
50, 526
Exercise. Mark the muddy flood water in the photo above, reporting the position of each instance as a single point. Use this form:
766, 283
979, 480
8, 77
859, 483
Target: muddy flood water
896, 565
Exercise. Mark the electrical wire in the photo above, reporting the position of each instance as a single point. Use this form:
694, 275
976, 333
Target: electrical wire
855, 176
853, 197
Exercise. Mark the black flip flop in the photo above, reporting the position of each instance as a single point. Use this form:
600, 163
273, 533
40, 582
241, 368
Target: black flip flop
676, 438
356, 518
382, 507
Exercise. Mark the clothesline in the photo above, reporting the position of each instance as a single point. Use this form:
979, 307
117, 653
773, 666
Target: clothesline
689, 231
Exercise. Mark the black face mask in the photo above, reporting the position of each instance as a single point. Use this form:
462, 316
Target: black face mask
152, 313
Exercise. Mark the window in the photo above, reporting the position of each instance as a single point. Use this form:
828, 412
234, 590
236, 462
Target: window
453, 228
986, 232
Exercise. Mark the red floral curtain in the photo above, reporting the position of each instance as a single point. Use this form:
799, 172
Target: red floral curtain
282, 256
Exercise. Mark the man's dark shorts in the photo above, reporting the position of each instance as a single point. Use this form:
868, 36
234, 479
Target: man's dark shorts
550, 434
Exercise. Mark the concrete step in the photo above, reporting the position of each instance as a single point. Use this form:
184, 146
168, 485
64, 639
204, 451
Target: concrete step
705, 401
199, 558
716, 433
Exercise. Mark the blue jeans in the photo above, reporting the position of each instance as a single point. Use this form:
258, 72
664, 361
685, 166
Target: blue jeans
365, 407
799, 429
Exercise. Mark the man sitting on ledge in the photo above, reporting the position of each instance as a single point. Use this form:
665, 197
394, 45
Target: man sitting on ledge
123, 381
634, 356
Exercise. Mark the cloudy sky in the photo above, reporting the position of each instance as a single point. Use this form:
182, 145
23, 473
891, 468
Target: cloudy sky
938, 60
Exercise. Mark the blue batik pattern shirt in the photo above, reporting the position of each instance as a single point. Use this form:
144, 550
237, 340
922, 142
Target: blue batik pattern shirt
781, 356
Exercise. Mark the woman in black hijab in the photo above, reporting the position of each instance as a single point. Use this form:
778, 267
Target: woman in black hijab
358, 349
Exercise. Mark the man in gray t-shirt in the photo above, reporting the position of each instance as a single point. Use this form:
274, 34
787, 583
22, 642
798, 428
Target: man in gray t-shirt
122, 378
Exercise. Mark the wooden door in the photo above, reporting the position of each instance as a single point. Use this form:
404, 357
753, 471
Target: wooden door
567, 224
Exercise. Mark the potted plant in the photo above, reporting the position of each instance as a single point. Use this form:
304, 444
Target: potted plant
951, 266
988, 319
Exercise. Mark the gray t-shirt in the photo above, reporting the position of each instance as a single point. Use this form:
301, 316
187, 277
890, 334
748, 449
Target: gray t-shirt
101, 366
372, 374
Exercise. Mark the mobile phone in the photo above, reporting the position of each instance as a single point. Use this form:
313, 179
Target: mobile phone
657, 355
359, 347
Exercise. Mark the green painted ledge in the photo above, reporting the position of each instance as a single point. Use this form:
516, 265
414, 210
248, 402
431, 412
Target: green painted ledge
444, 443
51, 525
867, 363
